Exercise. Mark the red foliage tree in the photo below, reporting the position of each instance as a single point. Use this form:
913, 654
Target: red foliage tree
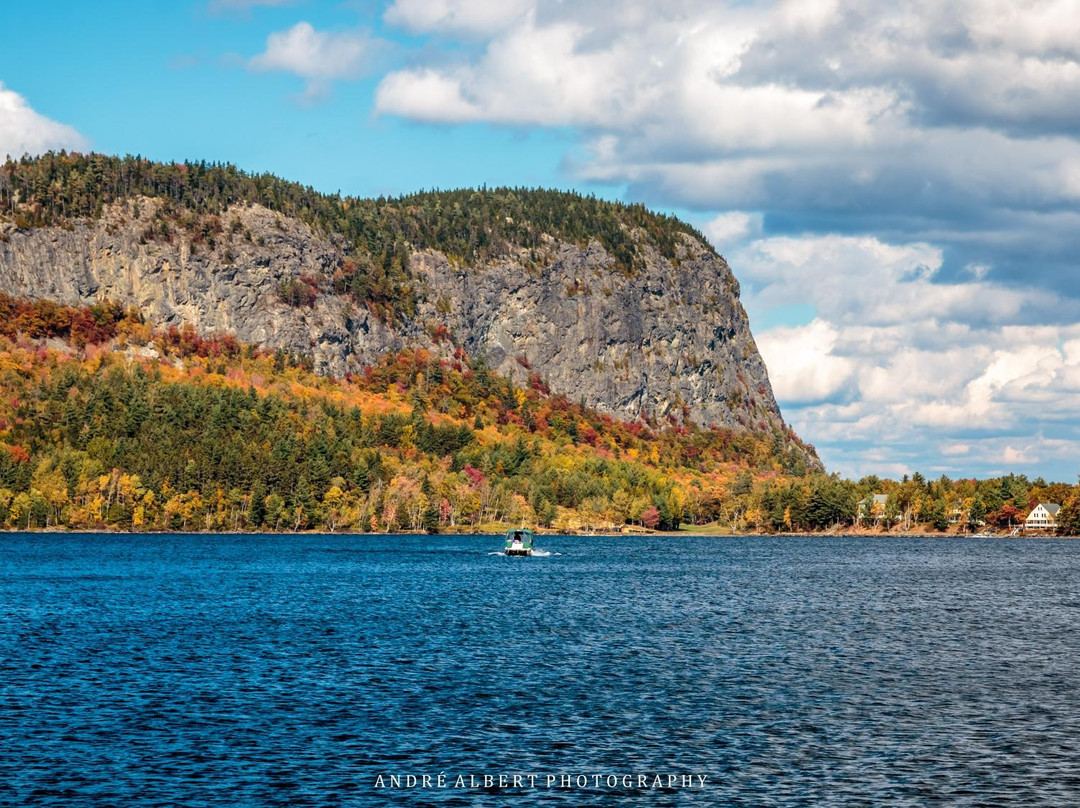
476, 477
650, 517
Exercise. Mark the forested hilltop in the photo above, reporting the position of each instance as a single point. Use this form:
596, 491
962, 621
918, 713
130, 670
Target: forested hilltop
471, 225
107, 422
628, 311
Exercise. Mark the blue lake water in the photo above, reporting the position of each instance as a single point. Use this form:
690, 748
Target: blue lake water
299, 670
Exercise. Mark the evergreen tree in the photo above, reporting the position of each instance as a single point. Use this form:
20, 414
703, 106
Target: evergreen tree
257, 511
431, 519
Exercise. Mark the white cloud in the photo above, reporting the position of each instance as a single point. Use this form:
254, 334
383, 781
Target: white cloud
455, 16
728, 229
1016, 457
847, 279
313, 54
956, 449
973, 60
530, 75
1040, 27
318, 56
24, 131
802, 364
429, 96
902, 364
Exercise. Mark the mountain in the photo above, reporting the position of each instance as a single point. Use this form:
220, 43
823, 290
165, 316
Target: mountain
627, 311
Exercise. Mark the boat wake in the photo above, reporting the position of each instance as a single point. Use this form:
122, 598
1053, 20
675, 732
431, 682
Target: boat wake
535, 553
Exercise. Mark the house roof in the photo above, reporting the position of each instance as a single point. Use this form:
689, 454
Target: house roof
1051, 507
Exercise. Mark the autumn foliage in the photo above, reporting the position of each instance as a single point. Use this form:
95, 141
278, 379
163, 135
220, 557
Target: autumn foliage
107, 422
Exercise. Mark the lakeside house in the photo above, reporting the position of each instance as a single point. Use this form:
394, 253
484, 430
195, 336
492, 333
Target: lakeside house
873, 508
1042, 517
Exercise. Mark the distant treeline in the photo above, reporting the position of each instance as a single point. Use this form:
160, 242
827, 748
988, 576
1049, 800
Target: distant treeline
471, 225
914, 503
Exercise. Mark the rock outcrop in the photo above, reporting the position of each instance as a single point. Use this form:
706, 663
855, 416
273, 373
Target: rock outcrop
670, 338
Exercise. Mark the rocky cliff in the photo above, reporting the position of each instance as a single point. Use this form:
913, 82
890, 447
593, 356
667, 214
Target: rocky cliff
665, 336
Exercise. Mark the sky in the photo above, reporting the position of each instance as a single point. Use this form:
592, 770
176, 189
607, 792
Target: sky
896, 184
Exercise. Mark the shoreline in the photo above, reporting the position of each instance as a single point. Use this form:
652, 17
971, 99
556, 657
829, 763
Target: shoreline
687, 534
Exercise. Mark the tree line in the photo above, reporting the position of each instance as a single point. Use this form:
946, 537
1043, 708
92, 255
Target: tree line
914, 503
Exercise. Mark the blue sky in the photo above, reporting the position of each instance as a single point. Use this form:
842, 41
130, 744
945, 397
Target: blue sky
169, 81
896, 185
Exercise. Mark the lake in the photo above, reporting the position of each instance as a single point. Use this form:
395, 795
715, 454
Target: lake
234, 670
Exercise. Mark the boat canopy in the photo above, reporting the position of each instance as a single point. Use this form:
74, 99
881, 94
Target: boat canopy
521, 534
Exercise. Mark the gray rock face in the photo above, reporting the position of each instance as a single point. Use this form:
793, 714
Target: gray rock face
670, 339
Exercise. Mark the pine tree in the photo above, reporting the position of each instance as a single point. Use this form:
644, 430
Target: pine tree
431, 519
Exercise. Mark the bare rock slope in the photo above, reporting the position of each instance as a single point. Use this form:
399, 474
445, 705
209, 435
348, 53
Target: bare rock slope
670, 337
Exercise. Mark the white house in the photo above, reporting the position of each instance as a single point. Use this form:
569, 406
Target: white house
1042, 517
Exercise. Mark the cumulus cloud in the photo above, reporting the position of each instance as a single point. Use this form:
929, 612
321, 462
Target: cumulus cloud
861, 280
430, 97
529, 75
981, 62
732, 228
790, 352
24, 131
955, 377
320, 57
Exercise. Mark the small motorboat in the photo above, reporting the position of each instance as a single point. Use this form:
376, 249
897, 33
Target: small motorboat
519, 542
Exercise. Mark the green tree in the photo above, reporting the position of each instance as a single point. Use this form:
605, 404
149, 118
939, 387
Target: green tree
892, 511
431, 518
938, 517
1068, 518
257, 512
976, 514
